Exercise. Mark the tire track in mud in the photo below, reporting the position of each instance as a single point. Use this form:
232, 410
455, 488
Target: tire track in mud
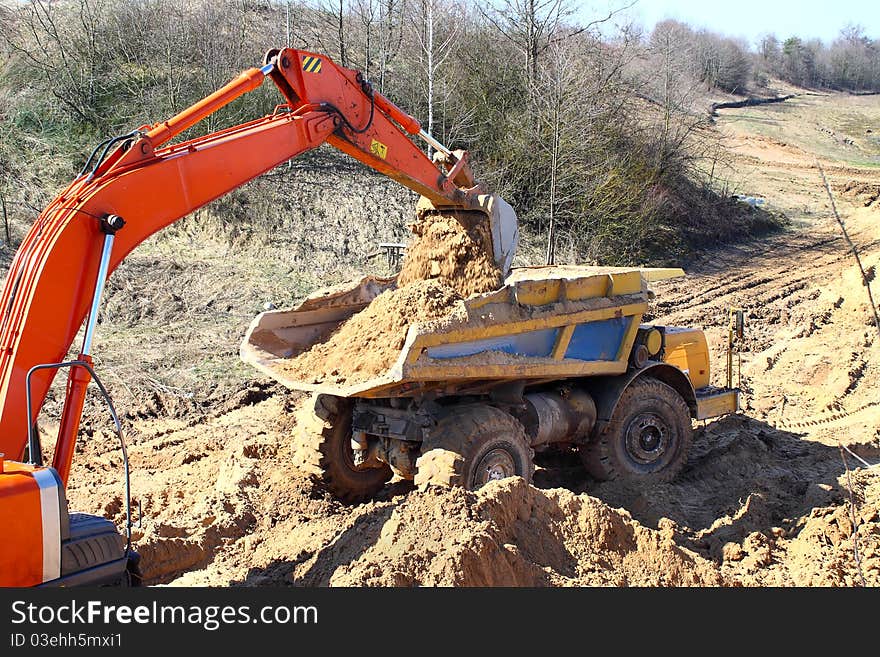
827, 418
755, 266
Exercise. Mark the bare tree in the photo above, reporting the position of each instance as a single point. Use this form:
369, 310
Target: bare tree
366, 12
69, 55
335, 12
563, 118
391, 29
435, 25
534, 25
530, 25
673, 79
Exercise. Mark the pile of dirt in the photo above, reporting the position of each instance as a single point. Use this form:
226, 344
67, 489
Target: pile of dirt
369, 342
768, 503
511, 534
821, 550
865, 193
224, 504
446, 250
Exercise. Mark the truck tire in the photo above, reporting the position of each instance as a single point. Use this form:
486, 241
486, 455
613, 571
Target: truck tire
647, 440
473, 445
323, 451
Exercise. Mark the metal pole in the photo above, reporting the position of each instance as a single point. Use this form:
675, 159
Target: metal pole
436, 145
99, 290
33, 443
730, 332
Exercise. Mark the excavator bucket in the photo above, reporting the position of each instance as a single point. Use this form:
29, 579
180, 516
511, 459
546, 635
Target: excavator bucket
502, 227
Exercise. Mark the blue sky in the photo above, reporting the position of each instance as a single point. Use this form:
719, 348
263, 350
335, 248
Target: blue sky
751, 18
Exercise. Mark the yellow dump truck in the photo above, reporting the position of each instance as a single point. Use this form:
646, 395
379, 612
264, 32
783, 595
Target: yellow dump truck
557, 358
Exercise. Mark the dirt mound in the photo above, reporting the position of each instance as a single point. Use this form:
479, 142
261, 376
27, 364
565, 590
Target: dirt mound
820, 552
511, 534
238, 512
224, 504
196, 488
445, 250
816, 548
864, 193
370, 341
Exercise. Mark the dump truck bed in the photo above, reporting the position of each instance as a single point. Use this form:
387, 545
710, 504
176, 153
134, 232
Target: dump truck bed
545, 323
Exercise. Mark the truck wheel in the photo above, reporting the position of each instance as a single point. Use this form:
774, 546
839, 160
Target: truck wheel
647, 440
323, 450
472, 446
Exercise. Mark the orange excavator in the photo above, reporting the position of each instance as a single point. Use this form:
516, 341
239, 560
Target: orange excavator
132, 186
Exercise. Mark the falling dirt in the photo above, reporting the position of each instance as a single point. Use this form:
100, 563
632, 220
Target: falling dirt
370, 341
445, 250
778, 495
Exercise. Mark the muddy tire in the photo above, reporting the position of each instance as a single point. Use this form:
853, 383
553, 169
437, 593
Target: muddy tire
472, 445
323, 451
647, 440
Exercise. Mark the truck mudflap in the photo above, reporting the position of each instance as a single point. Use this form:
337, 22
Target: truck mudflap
713, 402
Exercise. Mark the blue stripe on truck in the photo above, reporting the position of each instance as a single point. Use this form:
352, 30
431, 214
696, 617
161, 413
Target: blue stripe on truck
598, 340
537, 344
590, 341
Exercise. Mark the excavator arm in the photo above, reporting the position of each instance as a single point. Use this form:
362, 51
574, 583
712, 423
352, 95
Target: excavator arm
137, 184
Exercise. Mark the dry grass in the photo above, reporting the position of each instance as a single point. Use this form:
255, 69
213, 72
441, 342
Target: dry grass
830, 125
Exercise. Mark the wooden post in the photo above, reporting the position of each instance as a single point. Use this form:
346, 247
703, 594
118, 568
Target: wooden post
5, 218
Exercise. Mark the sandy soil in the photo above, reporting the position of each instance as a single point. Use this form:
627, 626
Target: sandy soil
768, 496
368, 343
443, 249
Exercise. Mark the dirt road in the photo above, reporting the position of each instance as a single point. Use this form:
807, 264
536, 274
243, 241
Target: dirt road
766, 497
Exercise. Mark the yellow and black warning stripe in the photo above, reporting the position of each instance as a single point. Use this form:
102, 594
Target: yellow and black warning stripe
311, 64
